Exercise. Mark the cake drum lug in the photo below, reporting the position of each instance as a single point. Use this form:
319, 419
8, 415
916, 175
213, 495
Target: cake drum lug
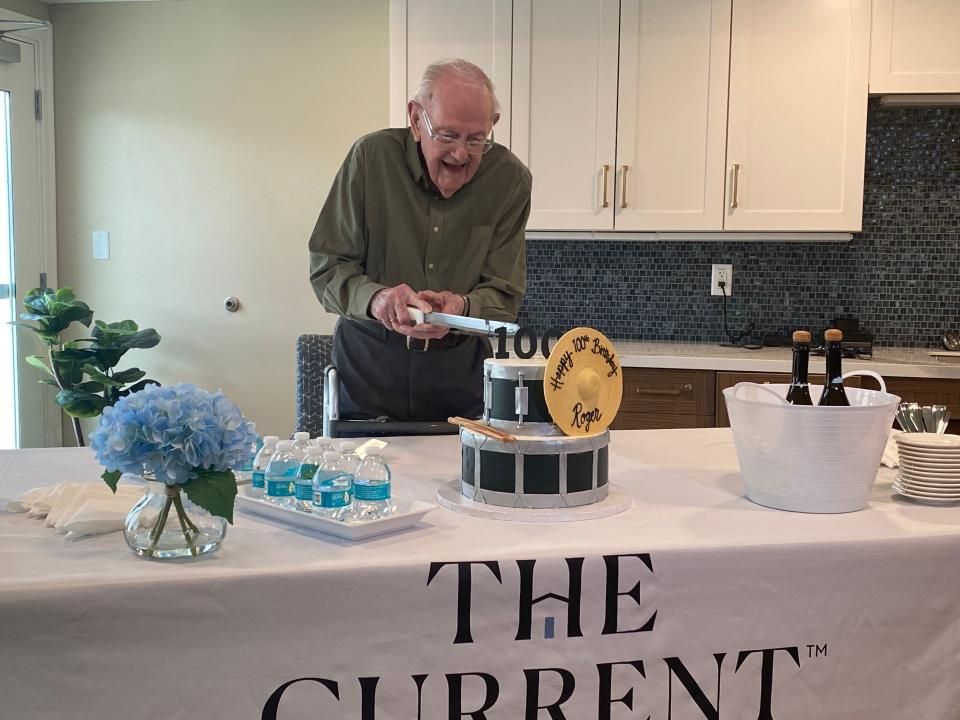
520, 400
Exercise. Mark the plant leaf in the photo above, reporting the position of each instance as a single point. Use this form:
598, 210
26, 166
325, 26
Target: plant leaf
141, 339
80, 404
38, 362
214, 491
137, 387
111, 478
100, 378
128, 376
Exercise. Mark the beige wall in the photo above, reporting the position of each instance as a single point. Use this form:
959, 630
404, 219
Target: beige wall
31, 8
204, 135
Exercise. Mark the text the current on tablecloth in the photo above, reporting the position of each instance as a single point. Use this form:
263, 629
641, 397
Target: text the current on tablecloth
750, 677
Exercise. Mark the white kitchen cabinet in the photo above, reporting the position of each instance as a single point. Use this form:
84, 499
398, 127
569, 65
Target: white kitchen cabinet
796, 130
422, 31
620, 112
915, 46
672, 114
565, 109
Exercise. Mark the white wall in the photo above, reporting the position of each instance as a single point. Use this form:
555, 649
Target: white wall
204, 136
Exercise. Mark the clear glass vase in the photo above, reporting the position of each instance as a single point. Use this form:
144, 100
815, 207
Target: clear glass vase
165, 524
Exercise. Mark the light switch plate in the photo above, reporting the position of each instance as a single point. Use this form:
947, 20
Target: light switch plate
101, 244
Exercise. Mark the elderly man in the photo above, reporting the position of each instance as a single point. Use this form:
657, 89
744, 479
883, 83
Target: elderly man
431, 217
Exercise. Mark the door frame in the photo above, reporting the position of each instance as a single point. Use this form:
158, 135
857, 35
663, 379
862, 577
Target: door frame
42, 42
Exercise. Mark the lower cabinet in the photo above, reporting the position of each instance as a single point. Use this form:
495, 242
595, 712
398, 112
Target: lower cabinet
926, 391
657, 398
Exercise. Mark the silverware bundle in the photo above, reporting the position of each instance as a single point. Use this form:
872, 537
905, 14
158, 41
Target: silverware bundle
914, 417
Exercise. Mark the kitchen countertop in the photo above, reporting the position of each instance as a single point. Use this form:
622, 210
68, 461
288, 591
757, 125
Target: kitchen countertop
889, 361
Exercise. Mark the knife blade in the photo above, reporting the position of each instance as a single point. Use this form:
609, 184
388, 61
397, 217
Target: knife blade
468, 325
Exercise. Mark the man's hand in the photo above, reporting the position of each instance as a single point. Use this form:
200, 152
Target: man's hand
444, 302
389, 306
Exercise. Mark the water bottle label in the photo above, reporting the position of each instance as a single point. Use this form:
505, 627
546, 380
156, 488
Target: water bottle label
258, 478
331, 499
371, 493
304, 491
280, 488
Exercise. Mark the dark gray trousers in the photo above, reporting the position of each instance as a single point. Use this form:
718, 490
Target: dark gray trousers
380, 377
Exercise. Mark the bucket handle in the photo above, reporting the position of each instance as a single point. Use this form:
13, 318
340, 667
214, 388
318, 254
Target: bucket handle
758, 386
868, 373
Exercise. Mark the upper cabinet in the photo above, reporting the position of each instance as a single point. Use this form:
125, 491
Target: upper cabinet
565, 109
621, 110
672, 114
796, 132
915, 46
424, 31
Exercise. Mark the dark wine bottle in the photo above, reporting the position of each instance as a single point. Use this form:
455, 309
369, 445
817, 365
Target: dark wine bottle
833, 393
799, 391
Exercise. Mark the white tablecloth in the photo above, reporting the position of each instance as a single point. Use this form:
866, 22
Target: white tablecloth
693, 603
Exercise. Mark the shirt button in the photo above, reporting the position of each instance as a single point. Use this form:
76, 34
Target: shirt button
436, 229
430, 266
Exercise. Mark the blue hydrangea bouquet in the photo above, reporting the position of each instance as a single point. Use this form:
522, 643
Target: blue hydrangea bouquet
185, 439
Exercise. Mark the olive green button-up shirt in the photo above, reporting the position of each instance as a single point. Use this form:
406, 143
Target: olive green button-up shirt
384, 223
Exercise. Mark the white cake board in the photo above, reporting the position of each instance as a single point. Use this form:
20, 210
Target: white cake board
616, 501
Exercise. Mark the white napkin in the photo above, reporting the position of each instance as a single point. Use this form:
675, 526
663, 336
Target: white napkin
372, 443
126, 495
891, 458
26, 500
95, 517
79, 508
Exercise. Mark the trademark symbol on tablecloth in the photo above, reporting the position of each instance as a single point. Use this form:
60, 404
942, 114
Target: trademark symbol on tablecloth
815, 651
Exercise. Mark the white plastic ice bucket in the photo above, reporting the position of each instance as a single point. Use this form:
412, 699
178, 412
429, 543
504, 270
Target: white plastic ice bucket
810, 459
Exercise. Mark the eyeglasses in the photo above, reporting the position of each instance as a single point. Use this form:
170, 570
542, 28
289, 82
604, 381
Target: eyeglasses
448, 142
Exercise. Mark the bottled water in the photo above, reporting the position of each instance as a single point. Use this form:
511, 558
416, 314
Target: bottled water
348, 457
331, 488
303, 494
324, 443
245, 473
371, 487
280, 478
260, 464
301, 441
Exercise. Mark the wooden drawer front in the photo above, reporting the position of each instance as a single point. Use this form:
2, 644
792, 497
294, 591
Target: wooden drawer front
729, 379
659, 421
668, 392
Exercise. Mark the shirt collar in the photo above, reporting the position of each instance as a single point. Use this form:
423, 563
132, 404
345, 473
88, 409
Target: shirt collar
415, 164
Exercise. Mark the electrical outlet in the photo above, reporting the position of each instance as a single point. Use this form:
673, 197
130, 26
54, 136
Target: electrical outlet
718, 274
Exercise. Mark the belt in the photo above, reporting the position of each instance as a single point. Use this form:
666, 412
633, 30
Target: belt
417, 345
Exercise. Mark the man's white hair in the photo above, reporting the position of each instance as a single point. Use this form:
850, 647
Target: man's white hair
460, 69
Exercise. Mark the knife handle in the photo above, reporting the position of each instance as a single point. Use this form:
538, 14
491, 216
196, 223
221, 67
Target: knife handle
416, 315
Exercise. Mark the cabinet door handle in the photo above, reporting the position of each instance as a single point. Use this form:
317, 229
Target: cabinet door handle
623, 189
663, 391
606, 172
736, 186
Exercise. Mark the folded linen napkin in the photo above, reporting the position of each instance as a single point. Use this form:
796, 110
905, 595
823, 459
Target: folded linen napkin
95, 517
891, 458
372, 443
80, 508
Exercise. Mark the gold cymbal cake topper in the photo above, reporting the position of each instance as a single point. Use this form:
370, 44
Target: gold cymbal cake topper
583, 383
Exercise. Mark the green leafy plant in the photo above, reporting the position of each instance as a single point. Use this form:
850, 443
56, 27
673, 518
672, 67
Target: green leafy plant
84, 370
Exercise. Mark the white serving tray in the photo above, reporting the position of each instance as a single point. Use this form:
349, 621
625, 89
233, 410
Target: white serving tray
408, 513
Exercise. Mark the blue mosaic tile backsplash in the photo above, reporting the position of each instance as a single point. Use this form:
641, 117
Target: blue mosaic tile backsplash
900, 277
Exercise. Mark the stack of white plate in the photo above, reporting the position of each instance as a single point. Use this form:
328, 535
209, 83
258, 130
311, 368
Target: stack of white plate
929, 467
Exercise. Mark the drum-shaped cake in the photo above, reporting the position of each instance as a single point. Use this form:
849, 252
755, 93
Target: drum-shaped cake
538, 465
